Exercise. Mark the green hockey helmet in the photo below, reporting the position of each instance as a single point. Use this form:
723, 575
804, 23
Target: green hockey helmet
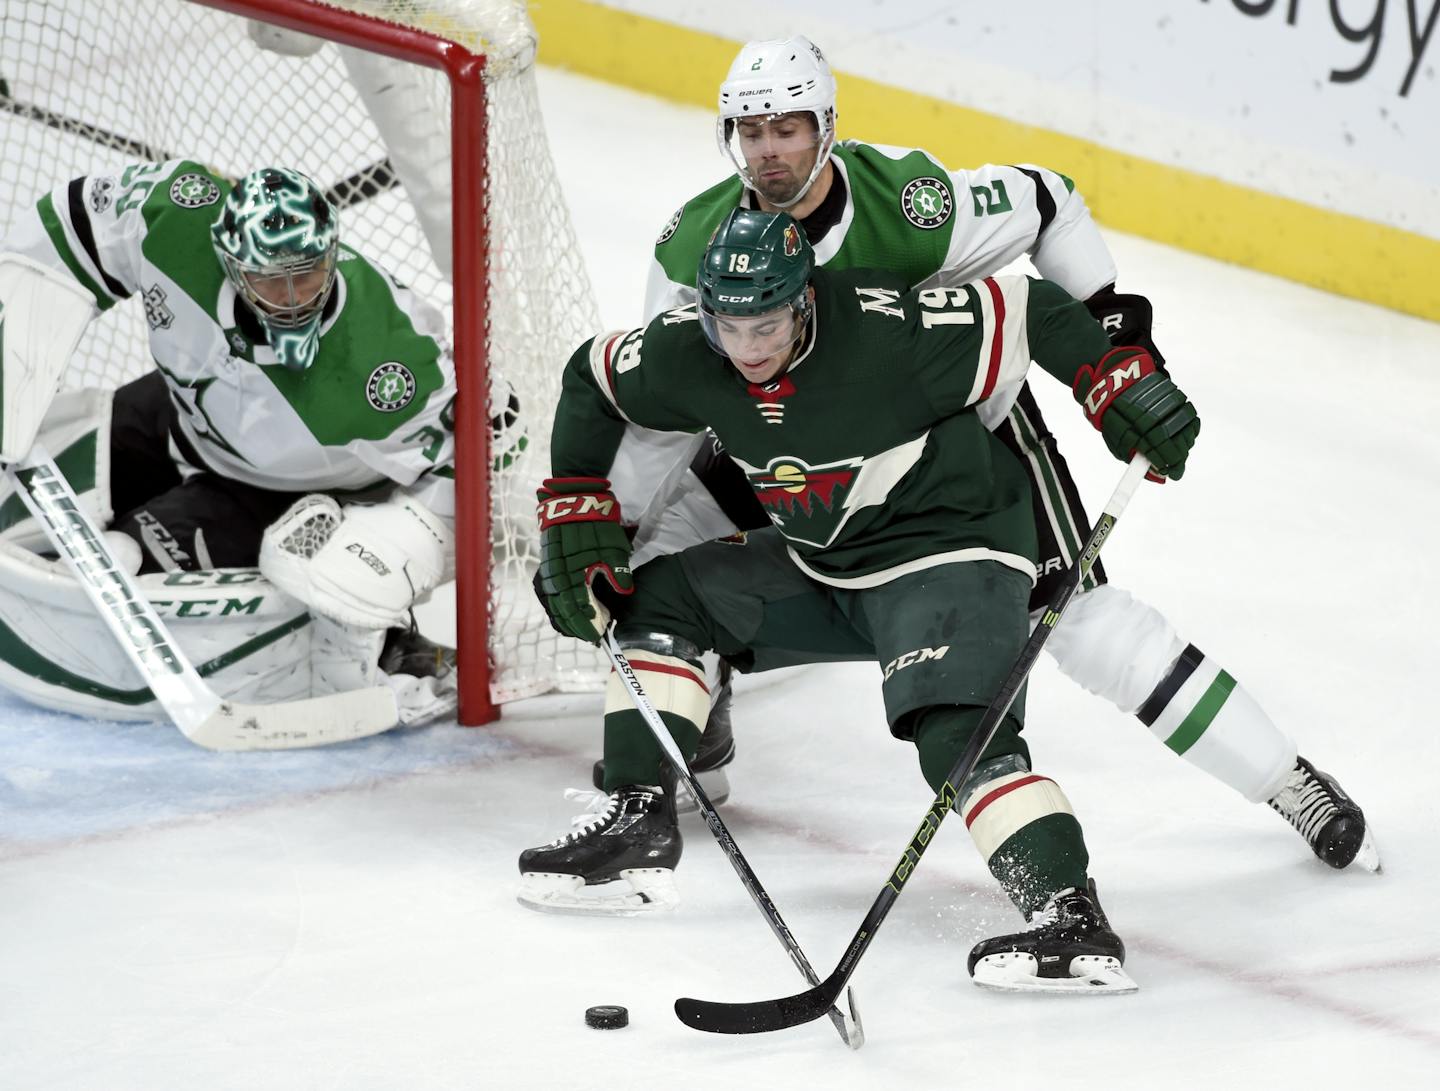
278, 238
757, 264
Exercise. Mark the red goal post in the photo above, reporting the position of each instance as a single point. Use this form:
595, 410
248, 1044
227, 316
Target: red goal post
106, 80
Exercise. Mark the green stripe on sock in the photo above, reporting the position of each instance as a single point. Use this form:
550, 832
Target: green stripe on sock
56, 230
1202, 715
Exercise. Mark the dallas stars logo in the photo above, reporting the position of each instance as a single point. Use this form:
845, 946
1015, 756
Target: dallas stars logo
926, 202
671, 226
192, 190
390, 388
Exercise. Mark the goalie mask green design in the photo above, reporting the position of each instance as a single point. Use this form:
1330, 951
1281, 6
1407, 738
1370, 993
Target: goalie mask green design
278, 238
756, 263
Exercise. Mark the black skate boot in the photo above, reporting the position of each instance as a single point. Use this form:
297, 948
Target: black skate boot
626, 848
1070, 948
1330, 821
407, 652
717, 750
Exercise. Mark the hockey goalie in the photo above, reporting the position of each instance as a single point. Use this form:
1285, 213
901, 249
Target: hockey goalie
280, 483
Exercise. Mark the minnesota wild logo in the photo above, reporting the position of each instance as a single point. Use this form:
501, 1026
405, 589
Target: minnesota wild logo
391, 387
926, 202
792, 240
193, 190
807, 502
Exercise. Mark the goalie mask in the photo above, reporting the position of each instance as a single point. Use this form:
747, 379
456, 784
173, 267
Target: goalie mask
278, 237
777, 110
754, 288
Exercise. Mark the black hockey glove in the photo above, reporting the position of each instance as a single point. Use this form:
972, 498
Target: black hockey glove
1137, 408
1126, 319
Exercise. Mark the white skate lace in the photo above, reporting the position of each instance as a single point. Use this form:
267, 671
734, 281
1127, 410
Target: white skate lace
1050, 912
596, 810
1305, 804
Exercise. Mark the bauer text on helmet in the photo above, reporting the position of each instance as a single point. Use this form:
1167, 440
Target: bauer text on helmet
777, 117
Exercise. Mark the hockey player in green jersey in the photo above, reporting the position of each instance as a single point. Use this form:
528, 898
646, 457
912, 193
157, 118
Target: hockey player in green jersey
900, 209
902, 534
287, 371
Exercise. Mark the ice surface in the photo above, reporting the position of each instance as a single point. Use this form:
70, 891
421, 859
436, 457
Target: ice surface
344, 918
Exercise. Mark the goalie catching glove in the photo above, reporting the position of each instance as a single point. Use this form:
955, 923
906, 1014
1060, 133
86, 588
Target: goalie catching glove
581, 540
362, 565
1138, 408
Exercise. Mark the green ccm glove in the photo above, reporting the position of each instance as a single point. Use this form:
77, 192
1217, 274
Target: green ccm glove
581, 540
1138, 408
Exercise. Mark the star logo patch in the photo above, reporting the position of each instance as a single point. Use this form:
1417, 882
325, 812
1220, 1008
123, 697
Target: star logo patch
390, 388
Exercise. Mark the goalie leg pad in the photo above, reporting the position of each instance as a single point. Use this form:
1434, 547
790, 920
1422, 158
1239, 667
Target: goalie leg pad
45, 313
78, 430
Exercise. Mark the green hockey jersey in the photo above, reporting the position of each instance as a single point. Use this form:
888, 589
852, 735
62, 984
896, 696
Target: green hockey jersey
900, 209
372, 410
869, 453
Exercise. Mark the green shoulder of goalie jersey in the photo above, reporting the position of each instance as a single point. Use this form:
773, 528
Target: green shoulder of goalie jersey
147, 231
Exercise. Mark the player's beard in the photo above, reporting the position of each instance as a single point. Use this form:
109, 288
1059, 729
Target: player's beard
780, 190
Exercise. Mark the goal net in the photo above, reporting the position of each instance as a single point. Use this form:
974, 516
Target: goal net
358, 94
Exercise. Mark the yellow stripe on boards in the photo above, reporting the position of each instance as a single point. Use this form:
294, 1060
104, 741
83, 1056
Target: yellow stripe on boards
1327, 250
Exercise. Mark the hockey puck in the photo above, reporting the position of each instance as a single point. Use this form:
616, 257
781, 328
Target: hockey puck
607, 1017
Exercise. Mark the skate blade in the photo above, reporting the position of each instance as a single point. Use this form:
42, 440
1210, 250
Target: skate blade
717, 791
1368, 856
638, 892
1017, 971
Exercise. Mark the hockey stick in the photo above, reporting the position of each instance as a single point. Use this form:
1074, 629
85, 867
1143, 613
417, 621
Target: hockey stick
360, 186
852, 1033
791, 1011
198, 711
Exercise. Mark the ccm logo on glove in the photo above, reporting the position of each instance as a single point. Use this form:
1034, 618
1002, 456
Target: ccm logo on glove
578, 507
1117, 369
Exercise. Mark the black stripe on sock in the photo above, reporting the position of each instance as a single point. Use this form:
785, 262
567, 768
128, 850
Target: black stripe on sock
1044, 203
80, 220
1179, 674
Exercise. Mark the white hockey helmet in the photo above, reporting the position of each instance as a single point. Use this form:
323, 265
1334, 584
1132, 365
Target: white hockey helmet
780, 76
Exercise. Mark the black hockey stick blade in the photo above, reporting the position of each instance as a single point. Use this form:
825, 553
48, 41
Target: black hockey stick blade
759, 1016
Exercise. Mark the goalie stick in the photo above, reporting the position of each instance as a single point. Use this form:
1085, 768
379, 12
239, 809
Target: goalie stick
852, 1033
198, 711
791, 1011
378, 178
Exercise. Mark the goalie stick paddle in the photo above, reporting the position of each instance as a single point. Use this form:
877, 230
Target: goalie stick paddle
198, 711
851, 1032
791, 1011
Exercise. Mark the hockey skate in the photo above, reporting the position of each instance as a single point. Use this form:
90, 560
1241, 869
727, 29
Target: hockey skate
1330, 821
1069, 948
619, 860
717, 750
407, 652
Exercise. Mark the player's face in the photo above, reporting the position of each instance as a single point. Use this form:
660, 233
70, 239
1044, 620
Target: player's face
779, 152
283, 294
759, 346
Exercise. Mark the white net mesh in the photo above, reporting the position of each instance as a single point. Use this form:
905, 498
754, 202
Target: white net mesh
87, 86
